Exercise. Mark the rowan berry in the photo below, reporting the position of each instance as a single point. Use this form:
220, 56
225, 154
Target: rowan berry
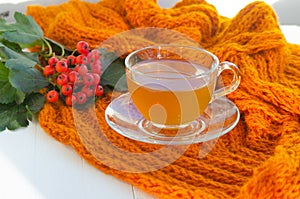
81, 97
64, 60
52, 96
88, 79
52, 61
62, 79
74, 77
82, 69
48, 70
88, 90
96, 78
71, 100
97, 68
93, 57
71, 60
99, 91
83, 47
95, 54
66, 89
68, 71
90, 58
61, 66
81, 59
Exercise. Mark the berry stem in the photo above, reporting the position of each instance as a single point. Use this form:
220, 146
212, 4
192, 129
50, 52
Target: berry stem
74, 51
57, 44
40, 67
49, 54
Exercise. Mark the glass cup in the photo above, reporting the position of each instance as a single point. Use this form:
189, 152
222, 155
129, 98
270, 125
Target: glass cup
171, 86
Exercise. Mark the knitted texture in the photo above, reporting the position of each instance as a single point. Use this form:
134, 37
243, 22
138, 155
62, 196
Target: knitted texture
259, 158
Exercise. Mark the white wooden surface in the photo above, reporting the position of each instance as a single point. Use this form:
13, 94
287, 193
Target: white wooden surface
35, 166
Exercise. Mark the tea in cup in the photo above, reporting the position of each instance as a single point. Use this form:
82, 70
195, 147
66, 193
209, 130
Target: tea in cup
171, 86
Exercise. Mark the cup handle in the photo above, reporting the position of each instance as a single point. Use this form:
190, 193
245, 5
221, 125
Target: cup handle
234, 83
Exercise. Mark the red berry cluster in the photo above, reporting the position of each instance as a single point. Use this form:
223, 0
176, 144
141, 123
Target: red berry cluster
75, 78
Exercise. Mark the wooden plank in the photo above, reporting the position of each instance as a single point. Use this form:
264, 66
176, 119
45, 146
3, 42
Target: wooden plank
139, 194
17, 154
99, 185
58, 169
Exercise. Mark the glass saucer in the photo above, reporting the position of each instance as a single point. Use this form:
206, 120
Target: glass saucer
219, 118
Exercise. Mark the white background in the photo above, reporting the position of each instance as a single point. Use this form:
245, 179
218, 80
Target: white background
35, 166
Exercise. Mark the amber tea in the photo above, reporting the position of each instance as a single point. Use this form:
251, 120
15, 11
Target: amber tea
169, 92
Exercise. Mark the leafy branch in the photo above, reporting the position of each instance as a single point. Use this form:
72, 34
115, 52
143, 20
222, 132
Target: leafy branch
20, 76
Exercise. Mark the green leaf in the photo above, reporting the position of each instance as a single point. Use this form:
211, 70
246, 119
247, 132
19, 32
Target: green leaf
13, 125
114, 76
20, 97
6, 27
8, 93
21, 63
22, 117
114, 71
12, 116
22, 38
24, 77
3, 72
3, 54
24, 31
35, 102
32, 56
121, 85
27, 80
4, 116
9, 50
107, 58
13, 46
35, 28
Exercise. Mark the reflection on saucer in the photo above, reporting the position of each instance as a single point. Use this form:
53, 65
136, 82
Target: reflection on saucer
219, 118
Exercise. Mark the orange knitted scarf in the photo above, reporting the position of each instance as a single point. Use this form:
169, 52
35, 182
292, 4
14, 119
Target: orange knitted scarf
259, 158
